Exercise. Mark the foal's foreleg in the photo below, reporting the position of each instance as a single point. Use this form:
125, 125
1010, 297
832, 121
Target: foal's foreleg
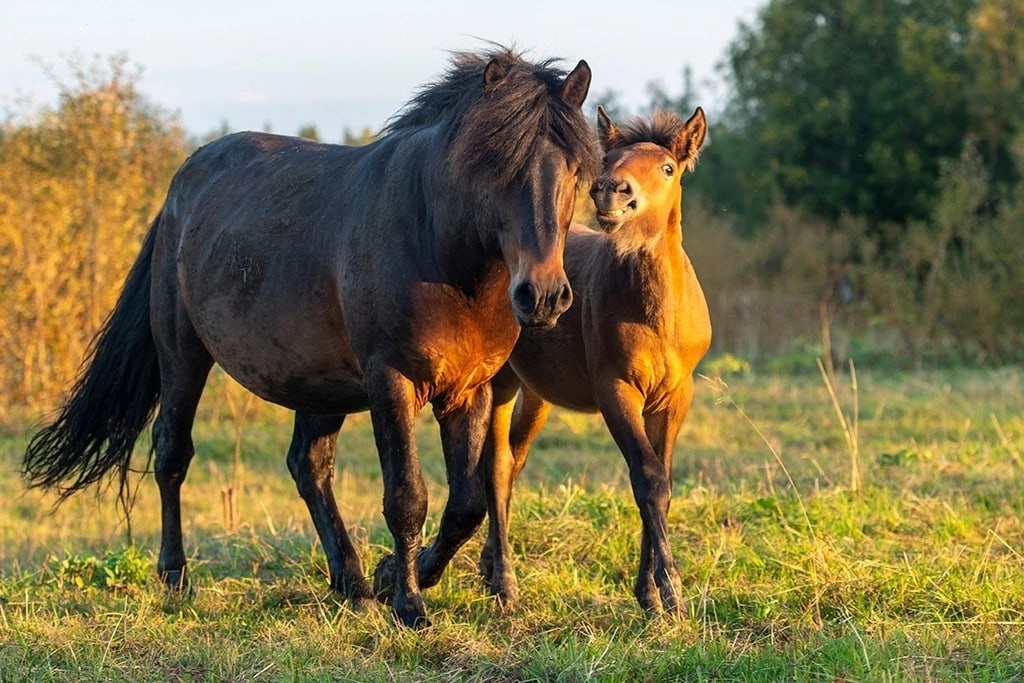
463, 430
311, 459
515, 422
622, 407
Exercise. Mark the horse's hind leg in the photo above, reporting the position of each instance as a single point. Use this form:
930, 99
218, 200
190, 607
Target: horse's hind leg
311, 459
182, 378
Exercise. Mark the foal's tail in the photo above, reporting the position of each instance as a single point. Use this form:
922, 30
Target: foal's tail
112, 400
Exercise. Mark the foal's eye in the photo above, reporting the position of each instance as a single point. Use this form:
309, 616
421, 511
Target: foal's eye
668, 169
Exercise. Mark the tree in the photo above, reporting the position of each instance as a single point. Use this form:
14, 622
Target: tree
79, 186
995, 91
847, 106
309, 132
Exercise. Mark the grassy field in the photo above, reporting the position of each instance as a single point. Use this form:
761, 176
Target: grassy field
878, 536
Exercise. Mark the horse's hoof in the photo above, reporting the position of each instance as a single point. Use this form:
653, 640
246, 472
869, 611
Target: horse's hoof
672, 598
362, 605
410, 612
384, 579
176, 581
646, 594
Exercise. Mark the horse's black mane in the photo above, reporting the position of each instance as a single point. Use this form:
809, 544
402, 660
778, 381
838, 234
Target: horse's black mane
495, 133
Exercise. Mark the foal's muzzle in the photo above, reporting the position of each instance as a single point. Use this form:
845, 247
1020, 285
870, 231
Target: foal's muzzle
614, 202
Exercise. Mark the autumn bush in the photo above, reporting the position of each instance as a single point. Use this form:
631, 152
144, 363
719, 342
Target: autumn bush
79, 185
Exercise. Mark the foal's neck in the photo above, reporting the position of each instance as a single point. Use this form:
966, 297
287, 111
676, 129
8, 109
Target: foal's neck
655, 270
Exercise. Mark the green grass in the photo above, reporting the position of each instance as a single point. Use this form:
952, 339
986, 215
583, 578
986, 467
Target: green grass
790, 573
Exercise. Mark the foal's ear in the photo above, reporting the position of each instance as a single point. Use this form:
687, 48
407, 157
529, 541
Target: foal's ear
576, 85
686, 146
494, 73
608, 134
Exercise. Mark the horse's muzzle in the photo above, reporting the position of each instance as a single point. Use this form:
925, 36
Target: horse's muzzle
536, 308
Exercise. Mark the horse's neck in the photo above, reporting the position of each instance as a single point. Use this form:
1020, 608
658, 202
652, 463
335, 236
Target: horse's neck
457, 238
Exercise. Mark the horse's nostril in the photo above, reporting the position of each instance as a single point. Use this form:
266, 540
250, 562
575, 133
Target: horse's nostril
564, 297
524, 296
624, 188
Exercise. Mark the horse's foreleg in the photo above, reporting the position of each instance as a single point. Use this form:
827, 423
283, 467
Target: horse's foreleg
463, 431
622, 406
393, 410
181, 386
311, 459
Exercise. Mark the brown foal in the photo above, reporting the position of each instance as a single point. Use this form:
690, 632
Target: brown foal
627, 347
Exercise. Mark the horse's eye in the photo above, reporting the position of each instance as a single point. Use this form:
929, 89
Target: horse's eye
668, 169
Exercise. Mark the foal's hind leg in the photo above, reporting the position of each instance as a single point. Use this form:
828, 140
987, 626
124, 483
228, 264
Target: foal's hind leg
311, 461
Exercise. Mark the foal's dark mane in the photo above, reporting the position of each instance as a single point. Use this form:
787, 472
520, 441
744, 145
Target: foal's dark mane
661, 129
496, 132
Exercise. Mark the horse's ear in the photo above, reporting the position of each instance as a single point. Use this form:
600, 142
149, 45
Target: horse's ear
607, 133
686, 146
576, 85
494, 73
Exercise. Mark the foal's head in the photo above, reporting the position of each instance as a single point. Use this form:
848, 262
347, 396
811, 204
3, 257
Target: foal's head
642, 170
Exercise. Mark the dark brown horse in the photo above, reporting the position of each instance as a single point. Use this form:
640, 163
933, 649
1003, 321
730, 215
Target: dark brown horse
333, 279
627, 346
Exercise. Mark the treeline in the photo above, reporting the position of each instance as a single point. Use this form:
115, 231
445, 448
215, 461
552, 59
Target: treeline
862, 192
860, 196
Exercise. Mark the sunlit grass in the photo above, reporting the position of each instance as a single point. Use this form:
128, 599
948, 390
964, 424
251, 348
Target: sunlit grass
790, 574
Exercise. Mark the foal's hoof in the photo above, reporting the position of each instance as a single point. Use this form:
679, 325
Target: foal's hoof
384, 579
485, 567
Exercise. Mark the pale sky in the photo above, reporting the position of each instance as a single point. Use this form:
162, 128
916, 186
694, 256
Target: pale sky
350, 65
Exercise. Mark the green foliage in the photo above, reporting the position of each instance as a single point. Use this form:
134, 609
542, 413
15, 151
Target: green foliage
724, 366
310, 132
116, 570
847, 107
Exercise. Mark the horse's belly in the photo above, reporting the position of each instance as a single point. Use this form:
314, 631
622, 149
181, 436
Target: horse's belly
293, 370
288, 347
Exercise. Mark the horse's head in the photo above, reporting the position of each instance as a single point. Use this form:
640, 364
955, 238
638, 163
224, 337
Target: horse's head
528, 142
643, 167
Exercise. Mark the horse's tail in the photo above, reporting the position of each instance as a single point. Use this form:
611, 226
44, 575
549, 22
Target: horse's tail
112, 400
